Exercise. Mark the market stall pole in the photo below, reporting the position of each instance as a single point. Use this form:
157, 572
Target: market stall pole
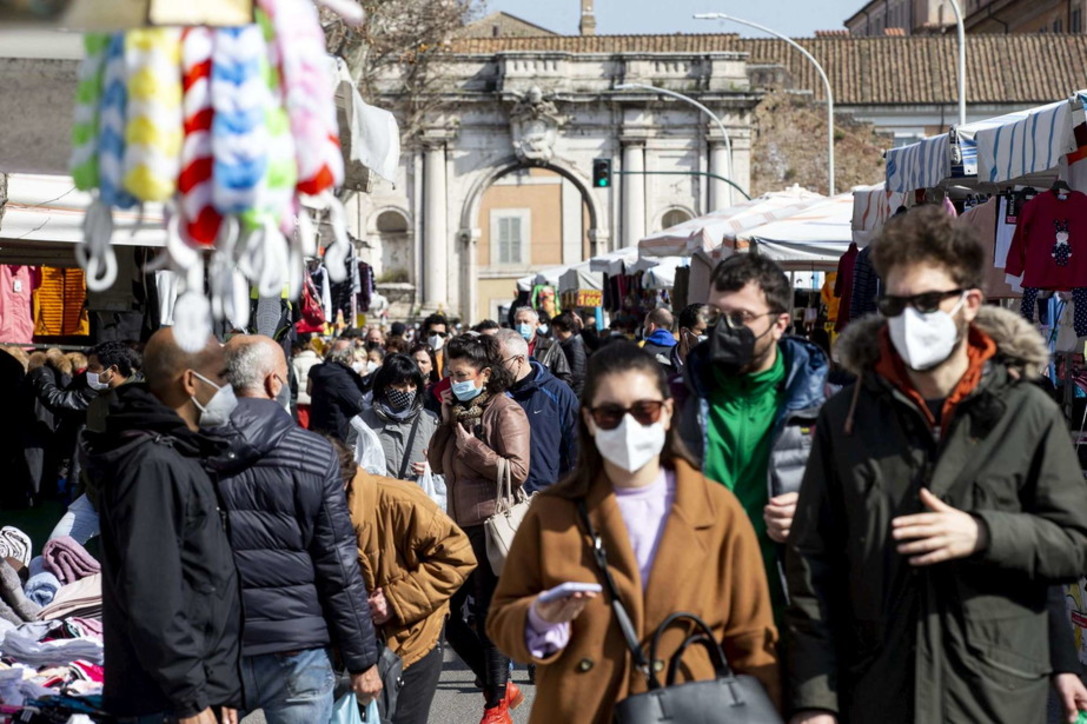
961, 31
818, 67
715, 200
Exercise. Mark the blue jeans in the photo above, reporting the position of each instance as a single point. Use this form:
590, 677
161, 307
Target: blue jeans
291, 688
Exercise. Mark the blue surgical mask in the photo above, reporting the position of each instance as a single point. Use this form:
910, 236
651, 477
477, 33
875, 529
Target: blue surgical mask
526, 331
466, 391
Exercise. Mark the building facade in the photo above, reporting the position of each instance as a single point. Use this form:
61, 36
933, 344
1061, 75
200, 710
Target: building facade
1026, 16
901, 17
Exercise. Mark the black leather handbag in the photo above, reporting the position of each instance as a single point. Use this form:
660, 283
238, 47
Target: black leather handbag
728, 698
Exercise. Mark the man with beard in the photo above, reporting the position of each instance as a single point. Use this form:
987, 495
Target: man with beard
942, 499
755, 394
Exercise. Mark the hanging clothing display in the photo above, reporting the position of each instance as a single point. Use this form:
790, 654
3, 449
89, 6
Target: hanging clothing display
1050, 244
866, 285
826, 294
60, 303
16, 302
365, 286
843, 285
166, 285
983, 219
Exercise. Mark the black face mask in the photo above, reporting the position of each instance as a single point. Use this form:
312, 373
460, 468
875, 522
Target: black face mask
731, 348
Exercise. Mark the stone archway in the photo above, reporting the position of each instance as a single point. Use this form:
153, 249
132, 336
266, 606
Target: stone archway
469, 233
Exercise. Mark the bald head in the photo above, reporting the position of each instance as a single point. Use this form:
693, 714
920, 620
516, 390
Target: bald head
256, 366
174, 375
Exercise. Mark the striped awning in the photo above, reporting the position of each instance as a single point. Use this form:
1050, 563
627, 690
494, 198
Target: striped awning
1019, 144
817, 237
919, 165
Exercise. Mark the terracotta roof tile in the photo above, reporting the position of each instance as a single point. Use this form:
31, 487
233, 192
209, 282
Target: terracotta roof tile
889, 70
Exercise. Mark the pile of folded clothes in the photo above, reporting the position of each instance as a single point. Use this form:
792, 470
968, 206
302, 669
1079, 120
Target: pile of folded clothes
51, 652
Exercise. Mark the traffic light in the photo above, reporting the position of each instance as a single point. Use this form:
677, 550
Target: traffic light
602, 173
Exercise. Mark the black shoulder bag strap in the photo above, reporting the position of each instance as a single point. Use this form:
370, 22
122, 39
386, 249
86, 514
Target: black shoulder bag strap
621, 615
407, 448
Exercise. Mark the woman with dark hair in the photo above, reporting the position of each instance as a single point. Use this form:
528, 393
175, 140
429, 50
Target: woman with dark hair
398, 417
674, 542
482, 430
427, 360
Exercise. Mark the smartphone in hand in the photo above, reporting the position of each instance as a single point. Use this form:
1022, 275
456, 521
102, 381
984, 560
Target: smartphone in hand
565, 590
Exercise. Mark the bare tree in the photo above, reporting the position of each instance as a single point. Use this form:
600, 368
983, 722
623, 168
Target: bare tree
399, 54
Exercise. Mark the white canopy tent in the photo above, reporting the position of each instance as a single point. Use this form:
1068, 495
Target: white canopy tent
615, 262
579, 278
706, 233
663, 275
813, 239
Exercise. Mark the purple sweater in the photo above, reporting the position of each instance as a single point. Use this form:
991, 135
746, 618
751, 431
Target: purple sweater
645, 512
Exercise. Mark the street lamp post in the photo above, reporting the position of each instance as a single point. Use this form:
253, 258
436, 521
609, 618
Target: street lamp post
818, 67
704, 109
961, 29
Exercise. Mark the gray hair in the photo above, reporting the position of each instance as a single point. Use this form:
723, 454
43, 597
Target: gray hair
342, 351
527, 309
247, 366
512, 343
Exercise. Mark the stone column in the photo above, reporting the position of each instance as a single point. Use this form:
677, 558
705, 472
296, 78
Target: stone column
633, 191
470, 281
435, 228
722, 195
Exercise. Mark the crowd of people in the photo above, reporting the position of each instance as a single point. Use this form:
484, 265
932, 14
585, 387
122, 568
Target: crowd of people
892, 551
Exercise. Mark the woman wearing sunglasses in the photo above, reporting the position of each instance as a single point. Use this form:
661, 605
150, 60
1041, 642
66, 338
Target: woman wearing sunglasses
674, 543
480, 425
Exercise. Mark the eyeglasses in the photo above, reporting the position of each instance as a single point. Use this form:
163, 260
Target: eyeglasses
735, 319
609, 417
925, 303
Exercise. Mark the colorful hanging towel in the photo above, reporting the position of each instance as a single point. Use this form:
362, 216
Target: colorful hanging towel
239, 131
200, 219
153, 132
83, 162
308, 89
112, 113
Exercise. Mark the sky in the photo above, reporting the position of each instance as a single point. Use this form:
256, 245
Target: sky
796, 18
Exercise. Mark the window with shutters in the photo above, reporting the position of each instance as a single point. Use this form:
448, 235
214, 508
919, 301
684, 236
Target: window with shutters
510, 229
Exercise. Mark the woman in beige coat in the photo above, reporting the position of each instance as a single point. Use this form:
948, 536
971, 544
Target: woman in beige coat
675, 543
481, 429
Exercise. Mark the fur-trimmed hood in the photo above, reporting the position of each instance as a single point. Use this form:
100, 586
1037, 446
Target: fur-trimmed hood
1019, 344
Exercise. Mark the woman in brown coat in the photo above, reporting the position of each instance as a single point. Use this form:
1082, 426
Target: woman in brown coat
480, 428
675, 543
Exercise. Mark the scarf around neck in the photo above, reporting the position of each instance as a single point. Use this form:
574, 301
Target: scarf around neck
472, 410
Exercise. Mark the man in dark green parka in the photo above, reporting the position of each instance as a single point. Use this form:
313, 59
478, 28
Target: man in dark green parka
942, 498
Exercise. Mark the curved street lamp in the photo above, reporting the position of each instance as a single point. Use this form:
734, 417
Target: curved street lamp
818, 67
704, 109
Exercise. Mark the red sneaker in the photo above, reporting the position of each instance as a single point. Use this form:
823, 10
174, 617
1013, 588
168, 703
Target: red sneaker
514, 697
497, 715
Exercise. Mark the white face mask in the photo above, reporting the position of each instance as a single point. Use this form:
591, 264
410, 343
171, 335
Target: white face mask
94, 381
371, 367
925, 340
359, 367
217, 412
436, 341
631, 445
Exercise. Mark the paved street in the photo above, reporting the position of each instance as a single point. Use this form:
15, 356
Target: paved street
457, 700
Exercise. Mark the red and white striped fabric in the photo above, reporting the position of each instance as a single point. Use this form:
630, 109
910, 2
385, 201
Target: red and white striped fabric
200, 220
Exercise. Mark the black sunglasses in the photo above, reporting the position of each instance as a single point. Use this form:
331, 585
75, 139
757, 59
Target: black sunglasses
609, 417
925, 303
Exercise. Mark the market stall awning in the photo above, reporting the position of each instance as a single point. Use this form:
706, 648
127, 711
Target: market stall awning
579, 278
872, 206
919, 165
708, 232
1020, 144
615, 262
815, 237
50, 209
663, 274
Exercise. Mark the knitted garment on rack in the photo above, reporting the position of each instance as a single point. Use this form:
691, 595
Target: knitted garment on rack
83, 162
200, 221
111, 127
282, 168
153, 132
240, 137
308, 86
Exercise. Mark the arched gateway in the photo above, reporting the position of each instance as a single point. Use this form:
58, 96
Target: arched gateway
559, 111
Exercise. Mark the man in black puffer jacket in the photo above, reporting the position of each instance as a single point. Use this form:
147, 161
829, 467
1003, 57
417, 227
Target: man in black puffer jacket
337, 391
295, 548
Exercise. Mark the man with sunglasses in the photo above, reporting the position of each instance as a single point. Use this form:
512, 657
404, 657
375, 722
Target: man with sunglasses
942, 499
755, 395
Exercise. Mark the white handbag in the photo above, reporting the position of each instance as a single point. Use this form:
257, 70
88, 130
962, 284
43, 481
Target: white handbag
510, 508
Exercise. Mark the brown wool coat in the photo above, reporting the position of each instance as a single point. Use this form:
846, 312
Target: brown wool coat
708, 563
470, 464
415, 553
